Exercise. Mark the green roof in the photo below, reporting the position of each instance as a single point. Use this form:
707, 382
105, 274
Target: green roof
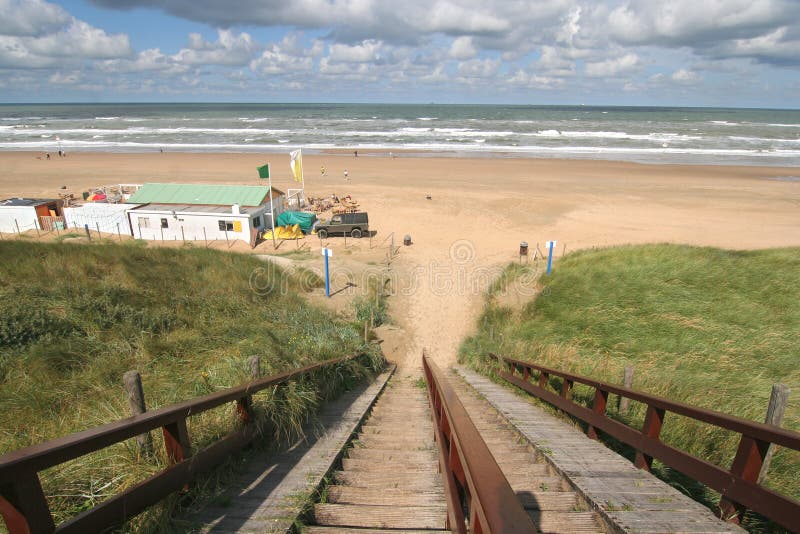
244, 195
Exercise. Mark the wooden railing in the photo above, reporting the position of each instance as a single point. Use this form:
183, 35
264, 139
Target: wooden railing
23, 504
738, 485
469, 470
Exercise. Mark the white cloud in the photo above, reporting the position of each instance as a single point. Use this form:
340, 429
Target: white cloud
285, 57
151, 59
775, 47
463, 48
684, 76
534, 81
229, 49
609, 68
365, 52
31, 18
553, 63
59, 78
81, 40
479, 68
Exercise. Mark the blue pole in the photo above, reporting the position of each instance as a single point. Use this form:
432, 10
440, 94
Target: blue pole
327, 277
550, 257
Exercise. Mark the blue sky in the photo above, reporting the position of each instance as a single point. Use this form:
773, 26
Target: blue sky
671, 52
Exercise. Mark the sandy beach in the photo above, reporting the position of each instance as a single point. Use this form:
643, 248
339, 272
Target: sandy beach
479, 211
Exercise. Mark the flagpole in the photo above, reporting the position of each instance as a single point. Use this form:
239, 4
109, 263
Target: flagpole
272, 211
302, 183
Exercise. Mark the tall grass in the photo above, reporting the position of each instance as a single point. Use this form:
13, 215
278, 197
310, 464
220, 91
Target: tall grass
76, 317
709, 327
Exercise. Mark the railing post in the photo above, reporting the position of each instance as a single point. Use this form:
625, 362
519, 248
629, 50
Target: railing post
778, 400
133, 387
598, 407
526, 373
176, 441
543, 378
24, 507
627, 382
244, 406
653, 421
566, 389
746, 465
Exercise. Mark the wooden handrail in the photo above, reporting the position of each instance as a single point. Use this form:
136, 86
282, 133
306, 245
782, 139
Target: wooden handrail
22, 501
738, 485
466, 460
776, 435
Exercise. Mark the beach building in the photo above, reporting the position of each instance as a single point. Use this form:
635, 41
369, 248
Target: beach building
203, 212
99, 216
23, 214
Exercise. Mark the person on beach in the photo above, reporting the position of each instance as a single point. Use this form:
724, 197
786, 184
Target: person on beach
355, 153
346, 174
322, 170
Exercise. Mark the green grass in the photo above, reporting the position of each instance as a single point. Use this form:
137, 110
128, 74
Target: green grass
75, 317
371, 305
709, 327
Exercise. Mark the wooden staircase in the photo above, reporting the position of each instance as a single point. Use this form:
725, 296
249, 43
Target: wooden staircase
546, 496
389, 479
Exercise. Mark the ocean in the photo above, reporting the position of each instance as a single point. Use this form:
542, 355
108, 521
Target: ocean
641, 134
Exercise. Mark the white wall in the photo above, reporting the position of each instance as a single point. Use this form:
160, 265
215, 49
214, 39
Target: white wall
24, 215
193, 223
106, 216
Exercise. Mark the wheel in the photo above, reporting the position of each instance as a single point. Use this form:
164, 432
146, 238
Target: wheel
356, 233
322, 234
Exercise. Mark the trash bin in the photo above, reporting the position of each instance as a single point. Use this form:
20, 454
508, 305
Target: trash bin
523, 248
407, 240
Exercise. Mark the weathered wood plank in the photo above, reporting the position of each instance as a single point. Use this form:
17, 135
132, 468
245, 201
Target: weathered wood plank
338, 530
428, 465
387, 496
404, 517
549, 521
407, 481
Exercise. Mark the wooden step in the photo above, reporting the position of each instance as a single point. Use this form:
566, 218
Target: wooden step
340, 530
384, 455
534, 484
418, 421
358, 464
547, 521
566, 501
386, 441
386, 517
395, 430
511, 457
529, 470
402, 481
387, 496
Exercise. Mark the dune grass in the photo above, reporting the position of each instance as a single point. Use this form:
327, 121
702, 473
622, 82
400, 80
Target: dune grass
75, 317
709, 327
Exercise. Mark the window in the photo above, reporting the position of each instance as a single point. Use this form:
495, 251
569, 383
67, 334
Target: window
164, 223
144, 222
226, 226
256, 221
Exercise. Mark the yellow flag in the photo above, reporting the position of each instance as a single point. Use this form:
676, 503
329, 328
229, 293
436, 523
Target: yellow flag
297, 165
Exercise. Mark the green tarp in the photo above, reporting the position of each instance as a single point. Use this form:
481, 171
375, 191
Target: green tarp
290, 218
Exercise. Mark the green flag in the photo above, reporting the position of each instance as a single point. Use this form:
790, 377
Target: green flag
263, 172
